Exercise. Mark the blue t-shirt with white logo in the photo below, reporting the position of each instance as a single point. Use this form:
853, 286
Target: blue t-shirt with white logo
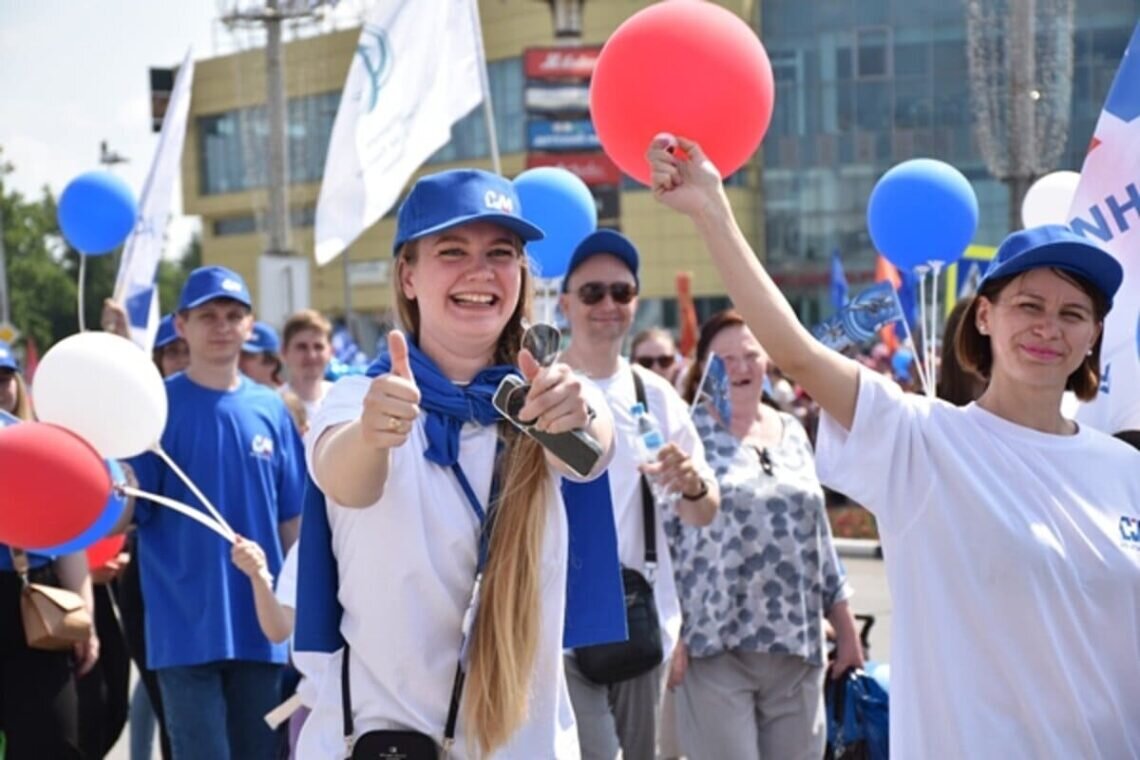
242, 450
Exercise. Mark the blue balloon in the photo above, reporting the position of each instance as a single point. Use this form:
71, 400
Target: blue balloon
922, 211
96, 212
561, 205
99, 529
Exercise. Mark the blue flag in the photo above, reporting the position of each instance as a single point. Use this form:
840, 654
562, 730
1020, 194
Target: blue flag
860, 321
838, 282
714, 388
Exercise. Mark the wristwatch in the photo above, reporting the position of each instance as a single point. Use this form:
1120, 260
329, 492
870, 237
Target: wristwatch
699, 494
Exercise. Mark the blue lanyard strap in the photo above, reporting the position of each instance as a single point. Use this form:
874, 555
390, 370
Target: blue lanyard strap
477, 508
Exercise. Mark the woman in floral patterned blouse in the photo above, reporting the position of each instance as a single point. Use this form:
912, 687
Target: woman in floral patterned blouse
757, 582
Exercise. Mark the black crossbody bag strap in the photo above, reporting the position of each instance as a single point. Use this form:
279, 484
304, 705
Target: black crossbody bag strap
647, 504
487, 519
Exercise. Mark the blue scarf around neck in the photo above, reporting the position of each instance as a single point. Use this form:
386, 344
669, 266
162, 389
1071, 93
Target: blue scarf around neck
595, 602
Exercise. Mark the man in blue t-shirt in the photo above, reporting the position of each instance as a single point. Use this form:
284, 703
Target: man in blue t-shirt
217, 671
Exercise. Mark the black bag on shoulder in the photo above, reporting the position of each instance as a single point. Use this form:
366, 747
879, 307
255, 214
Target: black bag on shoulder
394, 744
642, 651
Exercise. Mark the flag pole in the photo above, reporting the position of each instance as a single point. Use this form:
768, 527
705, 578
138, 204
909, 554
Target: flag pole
701, 384
485, 81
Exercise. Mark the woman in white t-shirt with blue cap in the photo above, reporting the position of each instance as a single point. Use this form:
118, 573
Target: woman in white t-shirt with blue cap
409, 458
1011, 535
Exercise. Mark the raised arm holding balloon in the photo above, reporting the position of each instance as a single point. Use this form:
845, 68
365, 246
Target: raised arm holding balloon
996, 512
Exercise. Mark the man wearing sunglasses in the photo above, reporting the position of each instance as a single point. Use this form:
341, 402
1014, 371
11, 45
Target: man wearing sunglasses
599, 299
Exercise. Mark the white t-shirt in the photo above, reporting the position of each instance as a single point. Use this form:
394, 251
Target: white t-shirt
1013, 558
672, 416
407, 564
311, 407
311, 665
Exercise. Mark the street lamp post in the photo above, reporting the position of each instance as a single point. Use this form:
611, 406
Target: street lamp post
1020, 60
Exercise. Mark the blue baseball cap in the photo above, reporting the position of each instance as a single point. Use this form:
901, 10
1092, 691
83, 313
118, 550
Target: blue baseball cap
448, 199
263, 339
166, 333
7, 358
603, 241
207, 283
1056, 246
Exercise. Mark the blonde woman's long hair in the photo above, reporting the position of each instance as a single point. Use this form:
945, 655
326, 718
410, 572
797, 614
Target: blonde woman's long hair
507, 628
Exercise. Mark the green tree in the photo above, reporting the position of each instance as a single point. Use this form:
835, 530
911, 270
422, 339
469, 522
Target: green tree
43, 269
41, 291
172, 273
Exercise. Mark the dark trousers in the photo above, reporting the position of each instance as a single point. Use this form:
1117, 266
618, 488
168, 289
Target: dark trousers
39, 712
131, 609
104, 692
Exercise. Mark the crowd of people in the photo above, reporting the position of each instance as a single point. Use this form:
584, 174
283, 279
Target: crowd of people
453, 529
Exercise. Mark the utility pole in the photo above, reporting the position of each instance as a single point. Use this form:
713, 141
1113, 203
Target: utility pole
272, 16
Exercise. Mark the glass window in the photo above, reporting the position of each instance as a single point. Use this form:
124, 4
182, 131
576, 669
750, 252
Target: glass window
913, 103
912, 59
873, 106
233, 146
469, 134
872, 58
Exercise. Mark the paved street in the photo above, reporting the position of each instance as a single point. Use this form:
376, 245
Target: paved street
869, 579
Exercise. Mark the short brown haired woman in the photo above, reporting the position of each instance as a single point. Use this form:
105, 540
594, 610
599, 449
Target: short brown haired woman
1011, 536
756, 584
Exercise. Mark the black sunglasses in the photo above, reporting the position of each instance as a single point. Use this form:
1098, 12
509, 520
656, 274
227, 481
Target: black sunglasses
591, 293
664, 362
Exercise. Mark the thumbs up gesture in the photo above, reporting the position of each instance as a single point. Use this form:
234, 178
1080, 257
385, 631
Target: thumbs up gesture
392, 402
555, 403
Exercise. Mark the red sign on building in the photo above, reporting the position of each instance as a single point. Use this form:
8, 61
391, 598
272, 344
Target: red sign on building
560, 62
591, 168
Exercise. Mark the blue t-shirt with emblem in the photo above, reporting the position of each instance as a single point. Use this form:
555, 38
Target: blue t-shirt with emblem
242, 450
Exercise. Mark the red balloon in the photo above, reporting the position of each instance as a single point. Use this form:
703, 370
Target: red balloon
687, 67
55, 485
104, 550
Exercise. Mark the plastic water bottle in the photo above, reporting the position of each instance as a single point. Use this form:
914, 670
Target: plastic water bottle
649, 438
649, 443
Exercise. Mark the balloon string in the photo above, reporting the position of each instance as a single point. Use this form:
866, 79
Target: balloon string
921, 271
701, 384
82, 284
908, 340
194, 489
179, 507
937, 266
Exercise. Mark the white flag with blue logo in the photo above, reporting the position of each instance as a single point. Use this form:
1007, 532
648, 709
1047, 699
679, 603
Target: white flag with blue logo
415, 73
135, 285
1106, 209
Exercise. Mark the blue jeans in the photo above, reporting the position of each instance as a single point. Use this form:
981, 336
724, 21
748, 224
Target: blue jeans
142, 725
215, 710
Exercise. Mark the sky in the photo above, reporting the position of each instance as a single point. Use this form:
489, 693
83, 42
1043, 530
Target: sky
75, 72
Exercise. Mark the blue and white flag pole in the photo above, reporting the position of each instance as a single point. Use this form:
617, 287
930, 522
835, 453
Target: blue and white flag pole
135, 285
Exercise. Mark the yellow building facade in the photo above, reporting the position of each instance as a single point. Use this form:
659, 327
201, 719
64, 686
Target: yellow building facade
223, 163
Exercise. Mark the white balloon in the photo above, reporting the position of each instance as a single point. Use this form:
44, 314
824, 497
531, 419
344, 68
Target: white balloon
1048, 199
105, 389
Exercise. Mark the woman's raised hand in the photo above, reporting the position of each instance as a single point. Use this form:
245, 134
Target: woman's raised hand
555, 402
392, 402
683, 177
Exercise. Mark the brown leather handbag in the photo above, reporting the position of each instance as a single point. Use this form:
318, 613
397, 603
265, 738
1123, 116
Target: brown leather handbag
54, 618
